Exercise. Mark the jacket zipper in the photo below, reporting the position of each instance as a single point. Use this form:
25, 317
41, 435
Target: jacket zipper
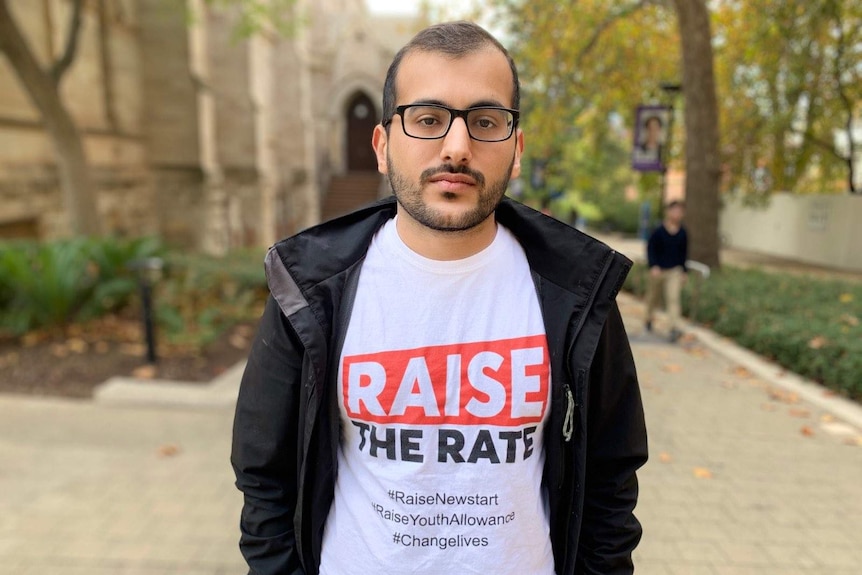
569, 420
571, 405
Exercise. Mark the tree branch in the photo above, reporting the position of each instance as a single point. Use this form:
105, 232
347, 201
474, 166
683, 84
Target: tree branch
606, 24
61, 65
821, 143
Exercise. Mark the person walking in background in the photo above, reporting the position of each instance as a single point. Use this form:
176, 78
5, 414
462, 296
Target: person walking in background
441, 381
667, 252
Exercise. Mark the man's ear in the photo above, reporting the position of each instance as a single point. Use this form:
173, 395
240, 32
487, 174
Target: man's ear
519, 149
380, 141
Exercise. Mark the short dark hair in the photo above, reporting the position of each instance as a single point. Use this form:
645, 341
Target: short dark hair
455, 39
657, 119
675, 203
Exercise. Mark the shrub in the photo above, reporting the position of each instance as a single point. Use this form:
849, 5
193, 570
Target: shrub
52, 284
201, 296
809, 325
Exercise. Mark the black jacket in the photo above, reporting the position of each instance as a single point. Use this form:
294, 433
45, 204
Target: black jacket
286, 428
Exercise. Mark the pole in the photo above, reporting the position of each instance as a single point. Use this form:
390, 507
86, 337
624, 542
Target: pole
149, 324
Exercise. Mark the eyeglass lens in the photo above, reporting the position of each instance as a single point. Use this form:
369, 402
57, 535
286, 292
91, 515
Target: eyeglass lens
486, 124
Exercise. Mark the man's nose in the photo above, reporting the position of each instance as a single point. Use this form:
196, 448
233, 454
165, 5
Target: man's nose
457, 144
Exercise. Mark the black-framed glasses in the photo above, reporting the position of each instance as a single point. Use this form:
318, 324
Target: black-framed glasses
433, 121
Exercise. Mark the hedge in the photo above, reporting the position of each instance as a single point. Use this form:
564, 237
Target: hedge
809, 325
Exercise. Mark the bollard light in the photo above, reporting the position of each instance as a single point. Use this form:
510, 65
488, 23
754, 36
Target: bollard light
148, 271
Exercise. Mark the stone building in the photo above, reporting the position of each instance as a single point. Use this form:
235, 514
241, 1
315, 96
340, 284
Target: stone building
194, 133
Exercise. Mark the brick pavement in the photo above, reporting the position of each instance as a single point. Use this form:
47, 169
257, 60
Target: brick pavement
744, 476
87, 488
92, 487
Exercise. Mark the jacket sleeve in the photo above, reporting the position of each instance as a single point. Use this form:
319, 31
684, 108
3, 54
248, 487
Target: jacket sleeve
616, 448
264, 451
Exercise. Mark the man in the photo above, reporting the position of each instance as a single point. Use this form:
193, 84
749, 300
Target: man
441, 382
667, 252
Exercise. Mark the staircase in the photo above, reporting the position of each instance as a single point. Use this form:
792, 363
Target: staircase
350, 191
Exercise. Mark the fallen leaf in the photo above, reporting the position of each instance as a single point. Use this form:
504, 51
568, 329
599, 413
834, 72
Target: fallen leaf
145, 372
665, 457
798, 412
807, 431
30, 339
777, 394
742, 372
845, 298
827, 418
672, 368
854, 441
850, 320
168, 450
829, 393
818, 342
238, 341
77, 345
702, 473
697, 351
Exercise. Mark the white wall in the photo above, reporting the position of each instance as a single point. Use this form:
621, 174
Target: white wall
824, 230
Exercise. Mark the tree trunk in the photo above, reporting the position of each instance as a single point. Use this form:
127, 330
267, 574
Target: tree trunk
74, 173
702, 162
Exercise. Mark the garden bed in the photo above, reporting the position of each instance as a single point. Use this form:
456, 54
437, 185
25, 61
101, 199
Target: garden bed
809, 325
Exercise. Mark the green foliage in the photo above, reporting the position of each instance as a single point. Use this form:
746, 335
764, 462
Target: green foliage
202, 296
789, 74
52, 284
811, 326
255, 17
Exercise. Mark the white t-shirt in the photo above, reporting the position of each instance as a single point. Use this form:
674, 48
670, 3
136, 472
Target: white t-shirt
444, 390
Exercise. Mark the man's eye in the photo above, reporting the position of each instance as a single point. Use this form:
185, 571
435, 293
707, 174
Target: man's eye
428, 121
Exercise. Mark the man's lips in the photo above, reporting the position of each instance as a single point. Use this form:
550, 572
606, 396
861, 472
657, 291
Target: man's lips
453, 179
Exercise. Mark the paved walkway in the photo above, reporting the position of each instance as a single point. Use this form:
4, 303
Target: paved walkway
635, 248
746, 476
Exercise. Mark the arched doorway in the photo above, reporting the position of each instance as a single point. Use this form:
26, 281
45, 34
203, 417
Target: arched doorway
361, 119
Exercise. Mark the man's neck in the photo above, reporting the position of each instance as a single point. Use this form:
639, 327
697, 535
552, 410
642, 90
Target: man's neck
445, 246
672, 227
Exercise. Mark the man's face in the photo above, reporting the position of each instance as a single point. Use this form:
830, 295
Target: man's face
653, 131
453, 183
676, 213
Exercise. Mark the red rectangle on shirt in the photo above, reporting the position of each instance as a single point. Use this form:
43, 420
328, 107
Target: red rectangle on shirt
503, 382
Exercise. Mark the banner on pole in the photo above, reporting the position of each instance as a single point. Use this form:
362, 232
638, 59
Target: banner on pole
651, 137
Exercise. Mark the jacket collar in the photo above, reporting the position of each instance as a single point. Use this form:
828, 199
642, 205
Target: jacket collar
558, 253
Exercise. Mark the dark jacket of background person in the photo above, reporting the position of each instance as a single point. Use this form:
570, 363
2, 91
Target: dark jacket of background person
287, 426
667, 250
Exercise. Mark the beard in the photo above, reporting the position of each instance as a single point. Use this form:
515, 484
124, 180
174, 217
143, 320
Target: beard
409, 196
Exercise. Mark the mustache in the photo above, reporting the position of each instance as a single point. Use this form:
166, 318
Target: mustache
450, 169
